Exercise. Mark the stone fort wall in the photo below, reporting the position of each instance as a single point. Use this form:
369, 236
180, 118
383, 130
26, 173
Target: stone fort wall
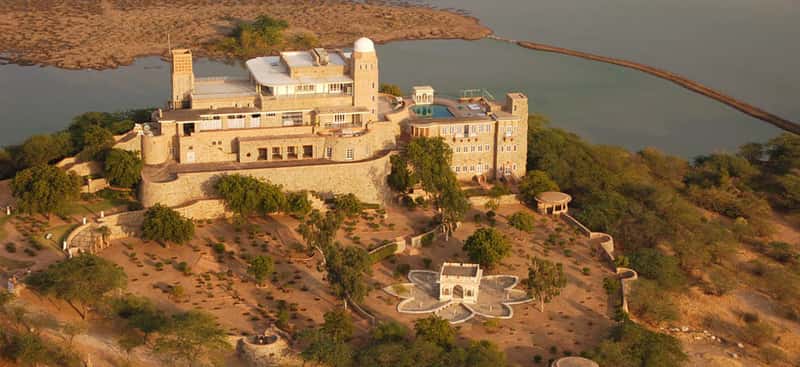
366, 179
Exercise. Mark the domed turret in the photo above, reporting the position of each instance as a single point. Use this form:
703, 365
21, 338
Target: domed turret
364, 44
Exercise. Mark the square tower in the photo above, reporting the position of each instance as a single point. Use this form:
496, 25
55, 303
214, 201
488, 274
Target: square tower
182, 78
364, 68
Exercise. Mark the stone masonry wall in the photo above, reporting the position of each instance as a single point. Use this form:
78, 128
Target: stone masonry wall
366, 179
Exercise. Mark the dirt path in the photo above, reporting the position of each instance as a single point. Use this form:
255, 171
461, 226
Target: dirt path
78, 34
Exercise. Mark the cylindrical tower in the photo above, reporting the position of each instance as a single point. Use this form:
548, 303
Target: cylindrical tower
364, 69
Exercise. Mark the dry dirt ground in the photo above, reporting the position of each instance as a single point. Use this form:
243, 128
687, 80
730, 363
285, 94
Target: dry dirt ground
77, 34
575, 321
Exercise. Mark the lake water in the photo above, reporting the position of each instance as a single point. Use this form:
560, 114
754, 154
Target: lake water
603, 103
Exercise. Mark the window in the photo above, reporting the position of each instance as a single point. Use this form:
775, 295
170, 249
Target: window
502, 148
514, 166
480, 148
464, 168
328, 152
335, 88
348, 154
339, 118
509, 130
308, 151
291, 152
443, 131
276, 153
458, 169
515, 147
304, 88
255, 120
486, 147
473, 149
262, 154
458, 149
472, 168
292, 118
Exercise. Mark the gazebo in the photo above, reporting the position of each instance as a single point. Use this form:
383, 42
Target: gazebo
553, 202
422, 95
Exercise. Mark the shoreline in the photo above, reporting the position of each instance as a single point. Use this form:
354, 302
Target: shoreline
79, 36
696, 87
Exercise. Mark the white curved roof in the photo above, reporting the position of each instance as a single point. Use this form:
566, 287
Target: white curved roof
364, 44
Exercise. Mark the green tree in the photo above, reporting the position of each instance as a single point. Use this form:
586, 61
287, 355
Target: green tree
194, 338
247, 195
346, 269
534, 183
783, 153
260, 267
165, 224
392, 89
348, 205
328, 343
545, 280
522, 221
43, 149
44, 189
436, 330
28, 349
141, 314
82, 281
400, 179
484, 354
123, 168
487, 247
320, 230
632, 345
95, 141
430, 159
298, 203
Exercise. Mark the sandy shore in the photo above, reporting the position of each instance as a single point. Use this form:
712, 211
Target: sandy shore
81, 34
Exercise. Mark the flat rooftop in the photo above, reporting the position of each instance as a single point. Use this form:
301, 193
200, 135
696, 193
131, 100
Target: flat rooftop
460, 270
270, 71
222, 87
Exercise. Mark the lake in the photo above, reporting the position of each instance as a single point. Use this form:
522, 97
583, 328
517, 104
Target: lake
722, 44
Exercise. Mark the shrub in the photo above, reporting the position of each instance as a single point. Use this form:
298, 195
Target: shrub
585, 271
427, 240
164, 224
648, 302
219, 248
522, 221
401, 270
11, 247
758, 333
652, 264
347, 204
392, 89
426, 262
383, 253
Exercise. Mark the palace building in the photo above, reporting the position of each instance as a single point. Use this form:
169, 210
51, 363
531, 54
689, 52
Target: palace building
314, 120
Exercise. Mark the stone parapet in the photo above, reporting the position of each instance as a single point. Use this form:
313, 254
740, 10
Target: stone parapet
366, 179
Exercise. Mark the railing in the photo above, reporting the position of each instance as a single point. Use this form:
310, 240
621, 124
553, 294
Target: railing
304, 95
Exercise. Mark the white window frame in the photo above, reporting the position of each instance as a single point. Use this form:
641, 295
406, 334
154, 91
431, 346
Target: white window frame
349, 154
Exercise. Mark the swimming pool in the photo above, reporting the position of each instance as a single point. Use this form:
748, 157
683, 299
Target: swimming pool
432, 111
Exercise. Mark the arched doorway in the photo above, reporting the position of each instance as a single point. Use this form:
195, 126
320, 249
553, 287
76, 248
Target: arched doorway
458, 292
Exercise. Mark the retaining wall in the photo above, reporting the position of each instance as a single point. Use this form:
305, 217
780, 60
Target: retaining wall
366, 179
480, 201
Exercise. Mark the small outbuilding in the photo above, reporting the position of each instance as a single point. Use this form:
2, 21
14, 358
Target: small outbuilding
460, 282
422, 95
553, 202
